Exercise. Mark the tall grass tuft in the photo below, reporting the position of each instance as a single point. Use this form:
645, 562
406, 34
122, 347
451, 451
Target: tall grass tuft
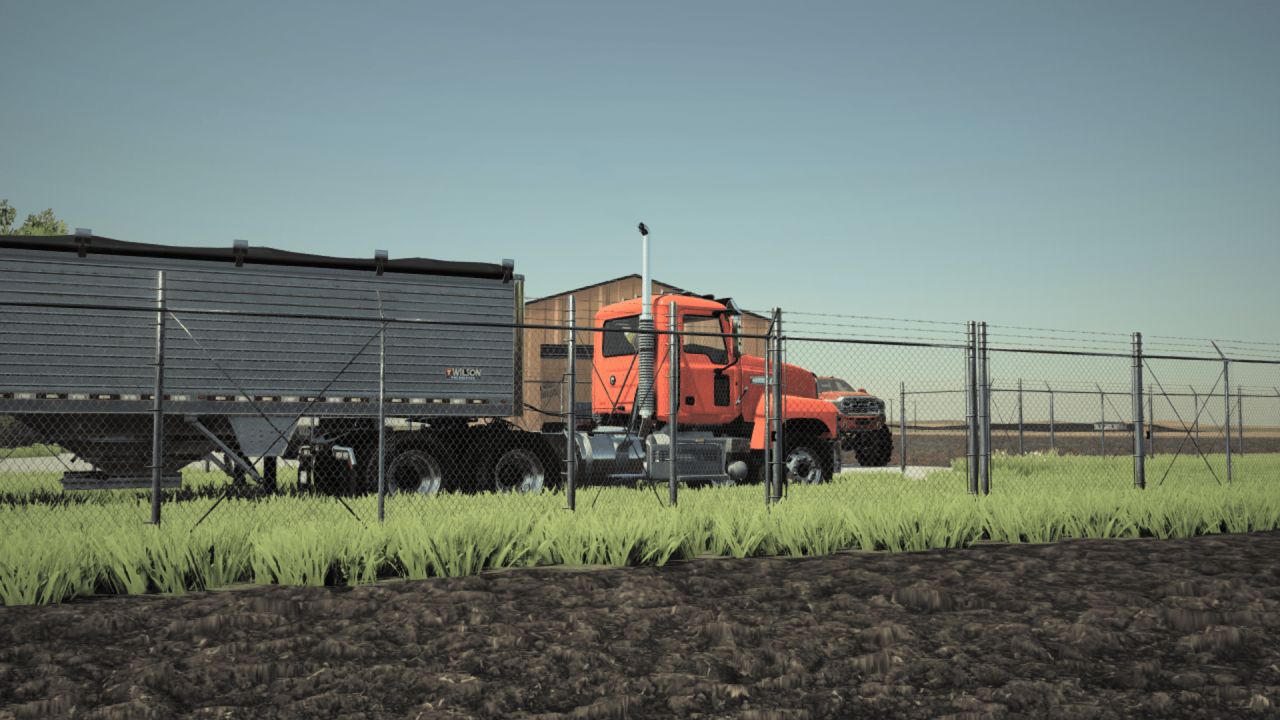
57, 552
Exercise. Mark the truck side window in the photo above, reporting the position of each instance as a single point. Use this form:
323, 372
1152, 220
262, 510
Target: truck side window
713, 348
620, 336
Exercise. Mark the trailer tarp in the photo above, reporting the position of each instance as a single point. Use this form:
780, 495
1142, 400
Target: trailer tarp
252, 255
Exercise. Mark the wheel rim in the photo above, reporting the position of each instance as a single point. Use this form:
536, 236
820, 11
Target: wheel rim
414, 473
803, 466
519, 470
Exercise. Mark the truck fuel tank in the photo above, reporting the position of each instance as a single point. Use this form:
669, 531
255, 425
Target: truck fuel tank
700, 457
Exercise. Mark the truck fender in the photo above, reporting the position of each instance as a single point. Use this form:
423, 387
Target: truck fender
795, 408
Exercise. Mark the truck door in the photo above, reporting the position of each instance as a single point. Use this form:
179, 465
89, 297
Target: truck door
706, 395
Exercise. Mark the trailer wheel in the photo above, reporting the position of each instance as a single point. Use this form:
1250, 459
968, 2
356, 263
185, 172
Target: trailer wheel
415, 471
519, 469
876, 448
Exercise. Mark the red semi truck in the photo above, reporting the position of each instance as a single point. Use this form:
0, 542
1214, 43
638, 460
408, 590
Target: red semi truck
722, 404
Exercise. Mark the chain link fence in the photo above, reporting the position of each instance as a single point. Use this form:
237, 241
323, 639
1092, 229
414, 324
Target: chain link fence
146, 397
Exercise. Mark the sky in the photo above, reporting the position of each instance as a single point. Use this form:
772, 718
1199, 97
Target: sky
1082, 165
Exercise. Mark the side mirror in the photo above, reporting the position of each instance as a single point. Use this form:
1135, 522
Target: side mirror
735, 325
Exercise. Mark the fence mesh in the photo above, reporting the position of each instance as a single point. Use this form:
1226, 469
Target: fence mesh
400, 416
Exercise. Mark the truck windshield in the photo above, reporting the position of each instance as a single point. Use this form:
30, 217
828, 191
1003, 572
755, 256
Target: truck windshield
619, 336
714, 348
831, 384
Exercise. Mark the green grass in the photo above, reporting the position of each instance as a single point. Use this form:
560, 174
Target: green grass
193, 478
50, 554
30, 451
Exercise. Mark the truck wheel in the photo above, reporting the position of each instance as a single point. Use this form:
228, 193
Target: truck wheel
807, 460
330, 476
414, 470
875, 449
519, 469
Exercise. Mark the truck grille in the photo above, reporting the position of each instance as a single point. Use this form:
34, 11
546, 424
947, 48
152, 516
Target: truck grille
858, 406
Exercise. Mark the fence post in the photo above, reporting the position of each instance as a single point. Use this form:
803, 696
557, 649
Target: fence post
1195, 411
1139, 452
1240, 417
1151, 423
971, 405
157, 405
673, 412
1021, 434
1226, 407
779, 459
571, 419
984, 403
382, 419
902, 427
1102, 424
1053, 441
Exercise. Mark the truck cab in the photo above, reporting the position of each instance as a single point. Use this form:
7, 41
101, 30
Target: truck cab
721, 396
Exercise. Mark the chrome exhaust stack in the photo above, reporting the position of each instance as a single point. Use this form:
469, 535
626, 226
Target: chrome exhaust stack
645, 340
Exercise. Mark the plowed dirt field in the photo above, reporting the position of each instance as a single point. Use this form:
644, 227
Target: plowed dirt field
1081, 629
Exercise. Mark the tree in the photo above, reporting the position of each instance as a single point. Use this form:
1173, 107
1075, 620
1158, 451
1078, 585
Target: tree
42, 223
7, 215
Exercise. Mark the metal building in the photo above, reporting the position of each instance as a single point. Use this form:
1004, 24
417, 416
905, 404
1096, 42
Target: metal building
546, 351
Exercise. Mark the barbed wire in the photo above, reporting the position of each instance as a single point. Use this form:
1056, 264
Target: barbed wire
811, 323
1073, 341
1024, 347
1058, 330
1217, 340
1225, 344
789, 313
793, 335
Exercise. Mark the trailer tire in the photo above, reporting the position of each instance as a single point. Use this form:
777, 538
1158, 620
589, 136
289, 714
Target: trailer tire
329, 476
876, 448
520, 469
415, 466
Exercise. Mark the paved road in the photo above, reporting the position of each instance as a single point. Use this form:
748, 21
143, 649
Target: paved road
63, 462
44, 463
914, 472
60, 463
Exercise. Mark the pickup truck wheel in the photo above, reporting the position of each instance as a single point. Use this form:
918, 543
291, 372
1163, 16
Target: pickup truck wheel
414, 471
519, 469
876, 448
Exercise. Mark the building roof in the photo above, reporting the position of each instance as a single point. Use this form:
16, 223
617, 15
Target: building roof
624, 277
598, 284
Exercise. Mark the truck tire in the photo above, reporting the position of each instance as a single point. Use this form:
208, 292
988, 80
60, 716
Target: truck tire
329, 475
808, 461
520, 469
415, 466
876, 448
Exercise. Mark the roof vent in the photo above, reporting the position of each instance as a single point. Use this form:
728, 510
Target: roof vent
84, 236
240, 248
380, 260
508, 269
